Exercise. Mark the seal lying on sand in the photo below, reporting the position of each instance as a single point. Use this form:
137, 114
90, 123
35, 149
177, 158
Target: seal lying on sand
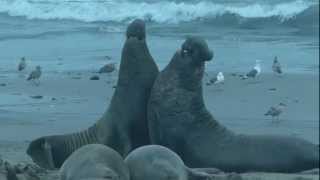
179, 120
94, 161
154, 162
123, 126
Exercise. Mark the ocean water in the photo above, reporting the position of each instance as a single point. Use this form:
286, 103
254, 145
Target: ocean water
77, 34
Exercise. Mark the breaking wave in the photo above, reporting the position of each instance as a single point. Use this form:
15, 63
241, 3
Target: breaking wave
159, 12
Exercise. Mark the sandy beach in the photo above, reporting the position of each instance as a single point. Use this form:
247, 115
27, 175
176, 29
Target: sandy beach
79, 102
67, 100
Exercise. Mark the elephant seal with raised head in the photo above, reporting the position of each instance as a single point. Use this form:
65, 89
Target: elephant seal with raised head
154, 162
123, 126
179, 120
96, 162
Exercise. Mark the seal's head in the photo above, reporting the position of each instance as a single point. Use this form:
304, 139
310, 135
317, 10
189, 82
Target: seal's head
94, 162
137, 29
189, 62
192, 56
197, 49
136, 60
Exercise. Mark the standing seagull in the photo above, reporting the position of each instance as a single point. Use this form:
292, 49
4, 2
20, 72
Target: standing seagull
35, 75
275, 111
255, 71
22, 65
217, 80
276, 67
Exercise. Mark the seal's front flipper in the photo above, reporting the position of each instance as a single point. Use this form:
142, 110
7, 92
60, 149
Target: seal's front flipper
40, 151
198, 175
208, 170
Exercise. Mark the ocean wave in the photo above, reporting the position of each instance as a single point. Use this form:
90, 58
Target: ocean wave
159, 12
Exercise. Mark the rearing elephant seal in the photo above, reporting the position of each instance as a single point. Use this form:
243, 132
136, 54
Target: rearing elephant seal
95, 162
179, 120
123, 126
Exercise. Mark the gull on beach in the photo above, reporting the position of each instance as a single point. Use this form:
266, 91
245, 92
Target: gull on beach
275, 111
22, 65
255, 72
35, 75
276, 67
217, 80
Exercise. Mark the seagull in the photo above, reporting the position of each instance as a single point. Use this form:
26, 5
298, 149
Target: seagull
22, 65
35, 75
275, 111
217, 80
276, 67
255, 71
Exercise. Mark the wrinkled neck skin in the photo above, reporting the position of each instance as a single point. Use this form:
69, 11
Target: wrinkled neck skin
190, 77
190, 73
137, 74
136, 63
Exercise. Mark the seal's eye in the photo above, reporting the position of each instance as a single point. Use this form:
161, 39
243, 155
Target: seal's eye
184, 52
187, 51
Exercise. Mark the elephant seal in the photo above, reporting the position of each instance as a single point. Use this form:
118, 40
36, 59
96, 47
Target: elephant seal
179, 120
94, 161
123, 126
160, 163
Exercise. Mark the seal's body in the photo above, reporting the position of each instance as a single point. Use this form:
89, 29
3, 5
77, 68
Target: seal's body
94, 161
123, 126
179, 120
160, 163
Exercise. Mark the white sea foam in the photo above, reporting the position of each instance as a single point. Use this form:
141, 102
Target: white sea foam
161, 12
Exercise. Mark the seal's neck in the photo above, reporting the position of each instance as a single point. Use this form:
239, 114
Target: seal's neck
190, 72
136, 62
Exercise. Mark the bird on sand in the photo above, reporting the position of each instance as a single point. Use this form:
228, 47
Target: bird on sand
22, 64
217, 80
254, 72
35, 75
108, 68
276, 67
275, 111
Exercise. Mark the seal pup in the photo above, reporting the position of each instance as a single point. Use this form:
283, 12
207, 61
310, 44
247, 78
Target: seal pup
94, 161
160, 163
178, 119
35, 75
22, 64
275, 111
123, 126
276, 67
